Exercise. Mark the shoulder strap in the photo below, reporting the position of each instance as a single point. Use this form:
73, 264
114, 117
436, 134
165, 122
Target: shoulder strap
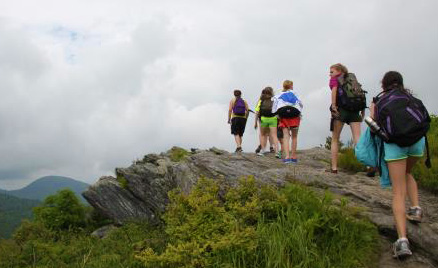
427, 162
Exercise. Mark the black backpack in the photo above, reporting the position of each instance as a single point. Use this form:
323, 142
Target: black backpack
266, 108
403, 117
351, 96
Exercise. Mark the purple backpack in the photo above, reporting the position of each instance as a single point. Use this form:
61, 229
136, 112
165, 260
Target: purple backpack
239, 107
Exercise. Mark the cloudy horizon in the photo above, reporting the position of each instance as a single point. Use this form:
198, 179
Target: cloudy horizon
90, 86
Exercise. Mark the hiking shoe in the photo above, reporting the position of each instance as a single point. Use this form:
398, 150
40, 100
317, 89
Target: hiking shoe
261, 153
239, 150
258, 149
293, 160
287, 161
371, 172
278, 155
271, 149
414, 214
401, 248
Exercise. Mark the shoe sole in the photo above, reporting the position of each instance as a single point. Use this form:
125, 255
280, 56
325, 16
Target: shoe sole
413, 219
402, 254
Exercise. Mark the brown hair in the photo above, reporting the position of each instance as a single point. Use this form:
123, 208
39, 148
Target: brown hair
237, 93
267, 93
392, 79
340, 67
287, 84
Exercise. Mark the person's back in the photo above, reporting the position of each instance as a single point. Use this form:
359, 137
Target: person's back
237, 115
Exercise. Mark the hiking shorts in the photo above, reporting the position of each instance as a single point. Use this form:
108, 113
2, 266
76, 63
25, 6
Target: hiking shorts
269, 122
291, 123
393, 152
238, 126
348, 117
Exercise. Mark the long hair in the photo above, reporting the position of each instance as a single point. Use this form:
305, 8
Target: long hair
267, 93
340, 67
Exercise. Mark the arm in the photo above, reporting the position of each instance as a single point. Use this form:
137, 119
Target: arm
256, 119
334, 98
372, 109
230, 110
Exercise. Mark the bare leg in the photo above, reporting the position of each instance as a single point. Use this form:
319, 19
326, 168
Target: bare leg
238, 140
294, 142
337, 129
397, 172
411, 184
355, 131
273, 137
264, 138
285, 143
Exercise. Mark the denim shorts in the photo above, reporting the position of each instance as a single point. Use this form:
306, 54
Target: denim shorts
394, 152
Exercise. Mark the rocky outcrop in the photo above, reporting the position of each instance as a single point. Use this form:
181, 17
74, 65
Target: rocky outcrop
140, 191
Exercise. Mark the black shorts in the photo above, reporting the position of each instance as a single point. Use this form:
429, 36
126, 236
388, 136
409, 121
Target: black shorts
238, 126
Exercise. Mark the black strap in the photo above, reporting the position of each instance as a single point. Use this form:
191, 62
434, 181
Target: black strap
381, 155
427, 162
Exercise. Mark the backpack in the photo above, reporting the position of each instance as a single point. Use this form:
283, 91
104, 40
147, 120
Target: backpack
239, 107
351, 96
288, 112
266, 108
402, 117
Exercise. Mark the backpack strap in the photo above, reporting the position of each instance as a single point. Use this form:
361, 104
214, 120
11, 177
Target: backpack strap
427, 162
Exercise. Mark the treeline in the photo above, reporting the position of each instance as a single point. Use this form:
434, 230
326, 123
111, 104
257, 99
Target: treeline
12, 211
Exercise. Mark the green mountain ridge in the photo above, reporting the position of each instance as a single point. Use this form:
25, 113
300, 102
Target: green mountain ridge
48, 185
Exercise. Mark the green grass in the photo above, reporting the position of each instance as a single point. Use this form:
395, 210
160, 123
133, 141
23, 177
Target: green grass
348, 161
177, 154
248, 225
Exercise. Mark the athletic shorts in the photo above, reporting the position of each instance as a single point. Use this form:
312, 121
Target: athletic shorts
291, 123
269, 122
347, 117
238, 126
394, 152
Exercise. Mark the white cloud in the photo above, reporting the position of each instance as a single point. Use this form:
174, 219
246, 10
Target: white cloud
88, 86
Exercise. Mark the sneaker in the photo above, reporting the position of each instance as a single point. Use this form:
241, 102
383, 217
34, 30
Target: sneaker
261, 153
278, 155
414, 214
239, 150
294, 160
271, 149
287, 161
401, 248
258, 149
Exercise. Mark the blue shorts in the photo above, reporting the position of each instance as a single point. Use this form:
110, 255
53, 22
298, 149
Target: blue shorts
394, 152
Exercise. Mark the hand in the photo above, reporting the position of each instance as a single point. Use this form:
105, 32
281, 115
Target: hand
255, 126
335, 112
229, 121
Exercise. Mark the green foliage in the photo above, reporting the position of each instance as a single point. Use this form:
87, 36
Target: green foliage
61, 211
122, 181
177, 154
428, 178
328, 143
257, 226
41, 247
347, 160
12, 211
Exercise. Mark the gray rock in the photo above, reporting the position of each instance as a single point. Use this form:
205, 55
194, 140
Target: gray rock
102, 232
146, 184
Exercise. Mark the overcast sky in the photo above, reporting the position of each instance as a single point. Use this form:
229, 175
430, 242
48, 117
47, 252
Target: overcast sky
87, 86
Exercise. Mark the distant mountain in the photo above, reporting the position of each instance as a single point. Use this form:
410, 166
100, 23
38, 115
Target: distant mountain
49, 185
12, 211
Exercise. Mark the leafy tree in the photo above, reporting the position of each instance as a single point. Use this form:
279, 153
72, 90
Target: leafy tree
61, 211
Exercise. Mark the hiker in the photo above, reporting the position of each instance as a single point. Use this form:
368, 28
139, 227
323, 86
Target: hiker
405, 122
348, 105
237, 115
288, 107
268, 120
258, 123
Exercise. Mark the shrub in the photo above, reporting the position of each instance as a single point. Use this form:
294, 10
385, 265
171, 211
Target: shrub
347, 160
258, 226
428, 178
177, 154
61, 211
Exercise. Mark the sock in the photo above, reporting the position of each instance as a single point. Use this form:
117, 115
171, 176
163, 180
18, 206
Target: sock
402, 239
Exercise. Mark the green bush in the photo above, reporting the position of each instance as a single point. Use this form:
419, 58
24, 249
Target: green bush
428, 178
177, 154
61, 211
347, 160
258, 226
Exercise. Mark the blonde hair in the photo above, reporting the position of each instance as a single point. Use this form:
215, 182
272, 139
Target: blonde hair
340, 67
287, 84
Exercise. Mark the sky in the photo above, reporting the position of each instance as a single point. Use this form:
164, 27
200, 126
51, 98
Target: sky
88, 86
